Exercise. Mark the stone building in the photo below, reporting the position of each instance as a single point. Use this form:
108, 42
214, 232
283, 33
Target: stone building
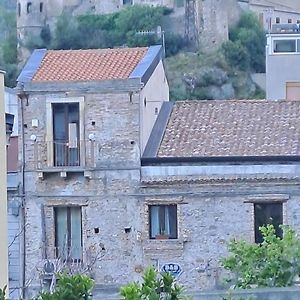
87, 115
117, 179
273, 12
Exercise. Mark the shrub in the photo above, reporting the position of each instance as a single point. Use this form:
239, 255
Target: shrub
155, 286
75, 287
2, 293
273, 263
236, 55
247, 41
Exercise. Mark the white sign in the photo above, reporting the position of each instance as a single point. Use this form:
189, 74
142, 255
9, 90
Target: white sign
173, 268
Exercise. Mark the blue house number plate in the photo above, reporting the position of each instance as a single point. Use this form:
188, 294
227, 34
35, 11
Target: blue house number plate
173, 268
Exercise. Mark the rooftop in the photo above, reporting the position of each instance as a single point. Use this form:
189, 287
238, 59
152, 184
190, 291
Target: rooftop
84, 65
229, 128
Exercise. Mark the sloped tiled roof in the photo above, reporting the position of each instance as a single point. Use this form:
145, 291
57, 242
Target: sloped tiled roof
232, 128
286, 5
83, 65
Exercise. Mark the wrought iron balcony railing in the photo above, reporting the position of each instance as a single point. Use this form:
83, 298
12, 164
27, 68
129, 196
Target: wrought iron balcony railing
61, 154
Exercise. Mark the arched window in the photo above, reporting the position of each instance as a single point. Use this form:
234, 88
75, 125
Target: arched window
19, 9
29, 7
41, 7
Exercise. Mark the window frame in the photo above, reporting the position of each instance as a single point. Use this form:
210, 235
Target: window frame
285, 52
29, 7
50, 133
257, 234
161, 212
69, 231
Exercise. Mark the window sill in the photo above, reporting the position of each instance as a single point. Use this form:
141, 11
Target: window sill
163, 246
64, 171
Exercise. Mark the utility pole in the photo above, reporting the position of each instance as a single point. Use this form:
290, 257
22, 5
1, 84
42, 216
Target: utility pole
191, 32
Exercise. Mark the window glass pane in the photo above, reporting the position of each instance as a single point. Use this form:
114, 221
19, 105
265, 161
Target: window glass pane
75, 232
284, 46
61, 231
173, 221
163, 221
264, 214
66, 134
154, 221
298, 45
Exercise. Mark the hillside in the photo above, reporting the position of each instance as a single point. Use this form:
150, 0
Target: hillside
223, 74
208, 76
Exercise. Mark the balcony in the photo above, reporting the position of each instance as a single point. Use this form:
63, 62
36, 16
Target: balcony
69, 260
64, 157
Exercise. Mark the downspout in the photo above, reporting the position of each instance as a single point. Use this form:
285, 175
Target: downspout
21, 97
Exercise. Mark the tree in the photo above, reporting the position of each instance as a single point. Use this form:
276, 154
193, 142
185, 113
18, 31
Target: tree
112, 30
66, 33
70, 287
273, 263
155, 286
247, 38
8, 48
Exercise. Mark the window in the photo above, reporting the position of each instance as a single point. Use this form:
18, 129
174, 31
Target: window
293, 90
66, 134
41, 7
267, 213
277, 20
284, 46
68, 241
19, 9
127, 2
289, 21
29, 7
163, 221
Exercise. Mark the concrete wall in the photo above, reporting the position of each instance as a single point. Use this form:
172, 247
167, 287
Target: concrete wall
151, 99
291, 293
280, 69
255, 294
14, 251
3, 187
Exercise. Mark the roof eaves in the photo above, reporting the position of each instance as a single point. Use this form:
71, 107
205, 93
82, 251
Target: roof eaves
146, 161
89, 86
32, 65
158, 130
147, 65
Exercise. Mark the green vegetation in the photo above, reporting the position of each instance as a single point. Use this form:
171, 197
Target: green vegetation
8, 48
2, 293
225, 73
155, 286
246, 46
134, 26
70, 287
273, 263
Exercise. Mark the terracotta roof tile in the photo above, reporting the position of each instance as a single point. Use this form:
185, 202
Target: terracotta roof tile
83, 65
232, 128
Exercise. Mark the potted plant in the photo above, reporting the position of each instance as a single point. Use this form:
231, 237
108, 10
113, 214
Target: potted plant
162, 236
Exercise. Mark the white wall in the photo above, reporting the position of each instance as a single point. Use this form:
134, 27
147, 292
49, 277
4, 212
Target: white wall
156, 91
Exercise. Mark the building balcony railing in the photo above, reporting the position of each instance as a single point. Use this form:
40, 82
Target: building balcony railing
58, 156
71, 260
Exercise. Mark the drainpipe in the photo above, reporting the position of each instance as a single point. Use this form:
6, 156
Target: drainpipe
23, 96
